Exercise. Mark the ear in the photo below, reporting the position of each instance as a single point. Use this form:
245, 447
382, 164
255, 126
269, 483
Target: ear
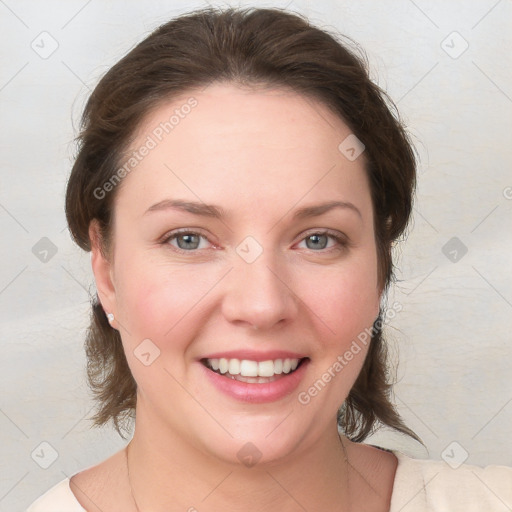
102, 269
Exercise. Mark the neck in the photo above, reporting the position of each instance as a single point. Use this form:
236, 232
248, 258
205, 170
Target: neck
167, 473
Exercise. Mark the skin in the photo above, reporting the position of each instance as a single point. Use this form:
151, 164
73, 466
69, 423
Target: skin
260, 155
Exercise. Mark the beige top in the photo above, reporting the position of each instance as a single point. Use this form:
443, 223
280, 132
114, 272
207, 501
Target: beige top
420, 486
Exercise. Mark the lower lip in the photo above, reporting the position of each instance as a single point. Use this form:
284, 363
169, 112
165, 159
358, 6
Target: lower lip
257, 393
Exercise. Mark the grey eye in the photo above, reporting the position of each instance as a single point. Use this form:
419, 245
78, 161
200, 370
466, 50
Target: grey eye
187, 241
318, 241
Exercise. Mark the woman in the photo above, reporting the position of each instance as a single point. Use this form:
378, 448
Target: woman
240, 183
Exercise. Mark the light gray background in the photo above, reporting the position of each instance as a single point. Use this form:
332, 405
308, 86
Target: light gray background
453, 333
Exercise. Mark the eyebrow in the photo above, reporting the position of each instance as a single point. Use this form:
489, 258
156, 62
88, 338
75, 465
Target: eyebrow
217, 212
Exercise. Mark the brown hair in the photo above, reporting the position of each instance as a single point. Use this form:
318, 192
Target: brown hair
247, 47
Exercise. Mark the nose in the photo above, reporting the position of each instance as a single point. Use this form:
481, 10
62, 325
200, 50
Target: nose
259, 294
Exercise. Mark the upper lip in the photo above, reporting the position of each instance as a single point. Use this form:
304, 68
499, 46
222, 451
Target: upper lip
253, 355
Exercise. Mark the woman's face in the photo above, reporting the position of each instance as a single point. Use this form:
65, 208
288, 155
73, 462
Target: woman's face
224, 248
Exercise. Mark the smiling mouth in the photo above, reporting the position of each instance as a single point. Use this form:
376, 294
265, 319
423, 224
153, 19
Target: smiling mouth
253, 372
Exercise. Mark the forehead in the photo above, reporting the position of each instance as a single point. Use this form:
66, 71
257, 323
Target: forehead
259, 143
274, 115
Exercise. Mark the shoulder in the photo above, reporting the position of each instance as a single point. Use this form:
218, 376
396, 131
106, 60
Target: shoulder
103, 486
94, 489
422, 485
59, 497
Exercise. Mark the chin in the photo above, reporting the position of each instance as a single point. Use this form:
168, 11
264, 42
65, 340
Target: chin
267, 441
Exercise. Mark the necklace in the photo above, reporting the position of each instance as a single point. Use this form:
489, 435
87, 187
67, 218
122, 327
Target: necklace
345, 456
347, 471
129, 481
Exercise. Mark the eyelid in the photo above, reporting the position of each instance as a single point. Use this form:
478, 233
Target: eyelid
178, 231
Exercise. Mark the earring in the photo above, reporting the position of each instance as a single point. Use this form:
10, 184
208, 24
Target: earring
110, 317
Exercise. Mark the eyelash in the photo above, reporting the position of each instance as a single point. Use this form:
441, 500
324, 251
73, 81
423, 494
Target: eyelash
342, 241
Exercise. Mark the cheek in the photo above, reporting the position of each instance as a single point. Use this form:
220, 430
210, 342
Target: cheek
163, 302
347, 308
157, 300
347, 302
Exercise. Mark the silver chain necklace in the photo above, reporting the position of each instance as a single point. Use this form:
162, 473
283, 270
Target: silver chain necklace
129, 481
347, 465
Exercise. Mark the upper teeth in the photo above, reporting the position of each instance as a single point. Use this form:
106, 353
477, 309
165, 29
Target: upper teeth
248, 368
